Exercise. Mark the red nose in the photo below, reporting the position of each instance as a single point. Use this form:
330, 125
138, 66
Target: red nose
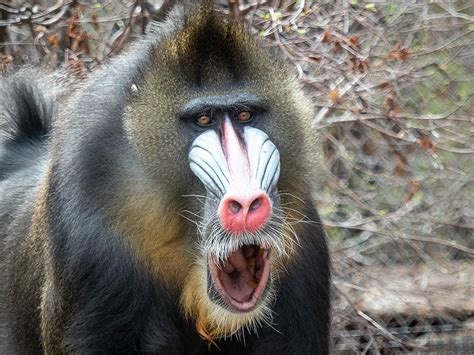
244, 213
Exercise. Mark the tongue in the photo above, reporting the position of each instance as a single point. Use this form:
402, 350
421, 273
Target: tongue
240, 288
240, 282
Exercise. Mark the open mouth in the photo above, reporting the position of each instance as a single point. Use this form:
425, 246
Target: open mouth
242, 278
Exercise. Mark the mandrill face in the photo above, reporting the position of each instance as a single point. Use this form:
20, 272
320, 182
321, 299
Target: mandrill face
239, 166
230, 148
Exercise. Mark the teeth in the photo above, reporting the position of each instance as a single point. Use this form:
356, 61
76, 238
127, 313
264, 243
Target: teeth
248, 252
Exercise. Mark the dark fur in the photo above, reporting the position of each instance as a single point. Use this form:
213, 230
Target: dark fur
69, 279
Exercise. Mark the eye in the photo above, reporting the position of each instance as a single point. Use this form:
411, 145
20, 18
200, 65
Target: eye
244, 116
204, 120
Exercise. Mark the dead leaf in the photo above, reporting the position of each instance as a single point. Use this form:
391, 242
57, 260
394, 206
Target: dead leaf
414, 187
354, 42
426, 143
327, 37
389, 103
94, 17
337, 48
398, 53
401, 164
53, 41
360, 66
369, 148
334, 95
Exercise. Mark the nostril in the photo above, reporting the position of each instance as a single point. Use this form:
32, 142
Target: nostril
235, 207
245, 212
255, 204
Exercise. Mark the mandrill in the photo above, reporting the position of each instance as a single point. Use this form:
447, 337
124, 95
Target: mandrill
163, 206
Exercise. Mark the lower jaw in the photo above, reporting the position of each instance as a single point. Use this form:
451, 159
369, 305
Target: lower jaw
233, 305
245, 307
237, 307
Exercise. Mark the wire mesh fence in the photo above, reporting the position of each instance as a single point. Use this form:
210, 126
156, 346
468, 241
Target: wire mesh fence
392, 86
